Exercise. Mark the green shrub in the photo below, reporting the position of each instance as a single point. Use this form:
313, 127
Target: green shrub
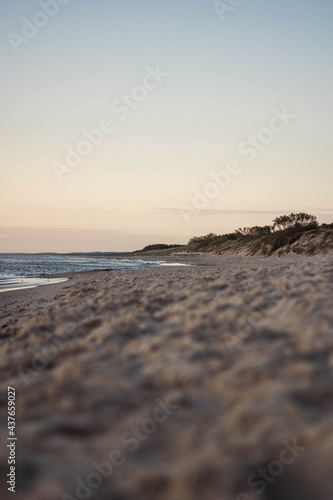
253, 232
202, 239
295, 220
159, 246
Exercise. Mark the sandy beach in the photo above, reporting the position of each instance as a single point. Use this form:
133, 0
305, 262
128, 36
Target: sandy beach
166, 250
212, 381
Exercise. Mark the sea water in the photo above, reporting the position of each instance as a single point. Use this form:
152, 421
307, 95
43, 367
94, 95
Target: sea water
26, 270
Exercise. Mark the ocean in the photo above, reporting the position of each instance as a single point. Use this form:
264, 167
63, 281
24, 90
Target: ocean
25, 270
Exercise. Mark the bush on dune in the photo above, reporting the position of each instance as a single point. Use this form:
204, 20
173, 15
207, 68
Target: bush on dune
202, 239
292, 220
159, 246
254, 232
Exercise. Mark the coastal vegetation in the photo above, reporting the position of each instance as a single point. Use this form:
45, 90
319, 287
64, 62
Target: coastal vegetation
159, 246
298, 233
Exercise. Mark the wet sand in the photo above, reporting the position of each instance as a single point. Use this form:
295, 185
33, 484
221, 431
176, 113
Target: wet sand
173, 382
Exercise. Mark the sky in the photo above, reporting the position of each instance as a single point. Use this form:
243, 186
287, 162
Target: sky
126, 123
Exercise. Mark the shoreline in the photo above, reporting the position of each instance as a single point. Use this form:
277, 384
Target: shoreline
17, 301
22, 295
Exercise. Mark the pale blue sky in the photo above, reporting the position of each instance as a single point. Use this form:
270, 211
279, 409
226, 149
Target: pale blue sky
225, 79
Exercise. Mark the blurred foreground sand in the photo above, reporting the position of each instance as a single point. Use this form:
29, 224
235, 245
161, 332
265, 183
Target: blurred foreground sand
177, 383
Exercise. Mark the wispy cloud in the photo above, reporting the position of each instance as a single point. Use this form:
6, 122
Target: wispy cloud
261, 213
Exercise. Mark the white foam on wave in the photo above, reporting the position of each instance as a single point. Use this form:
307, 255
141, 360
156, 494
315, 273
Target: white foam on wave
11, 284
